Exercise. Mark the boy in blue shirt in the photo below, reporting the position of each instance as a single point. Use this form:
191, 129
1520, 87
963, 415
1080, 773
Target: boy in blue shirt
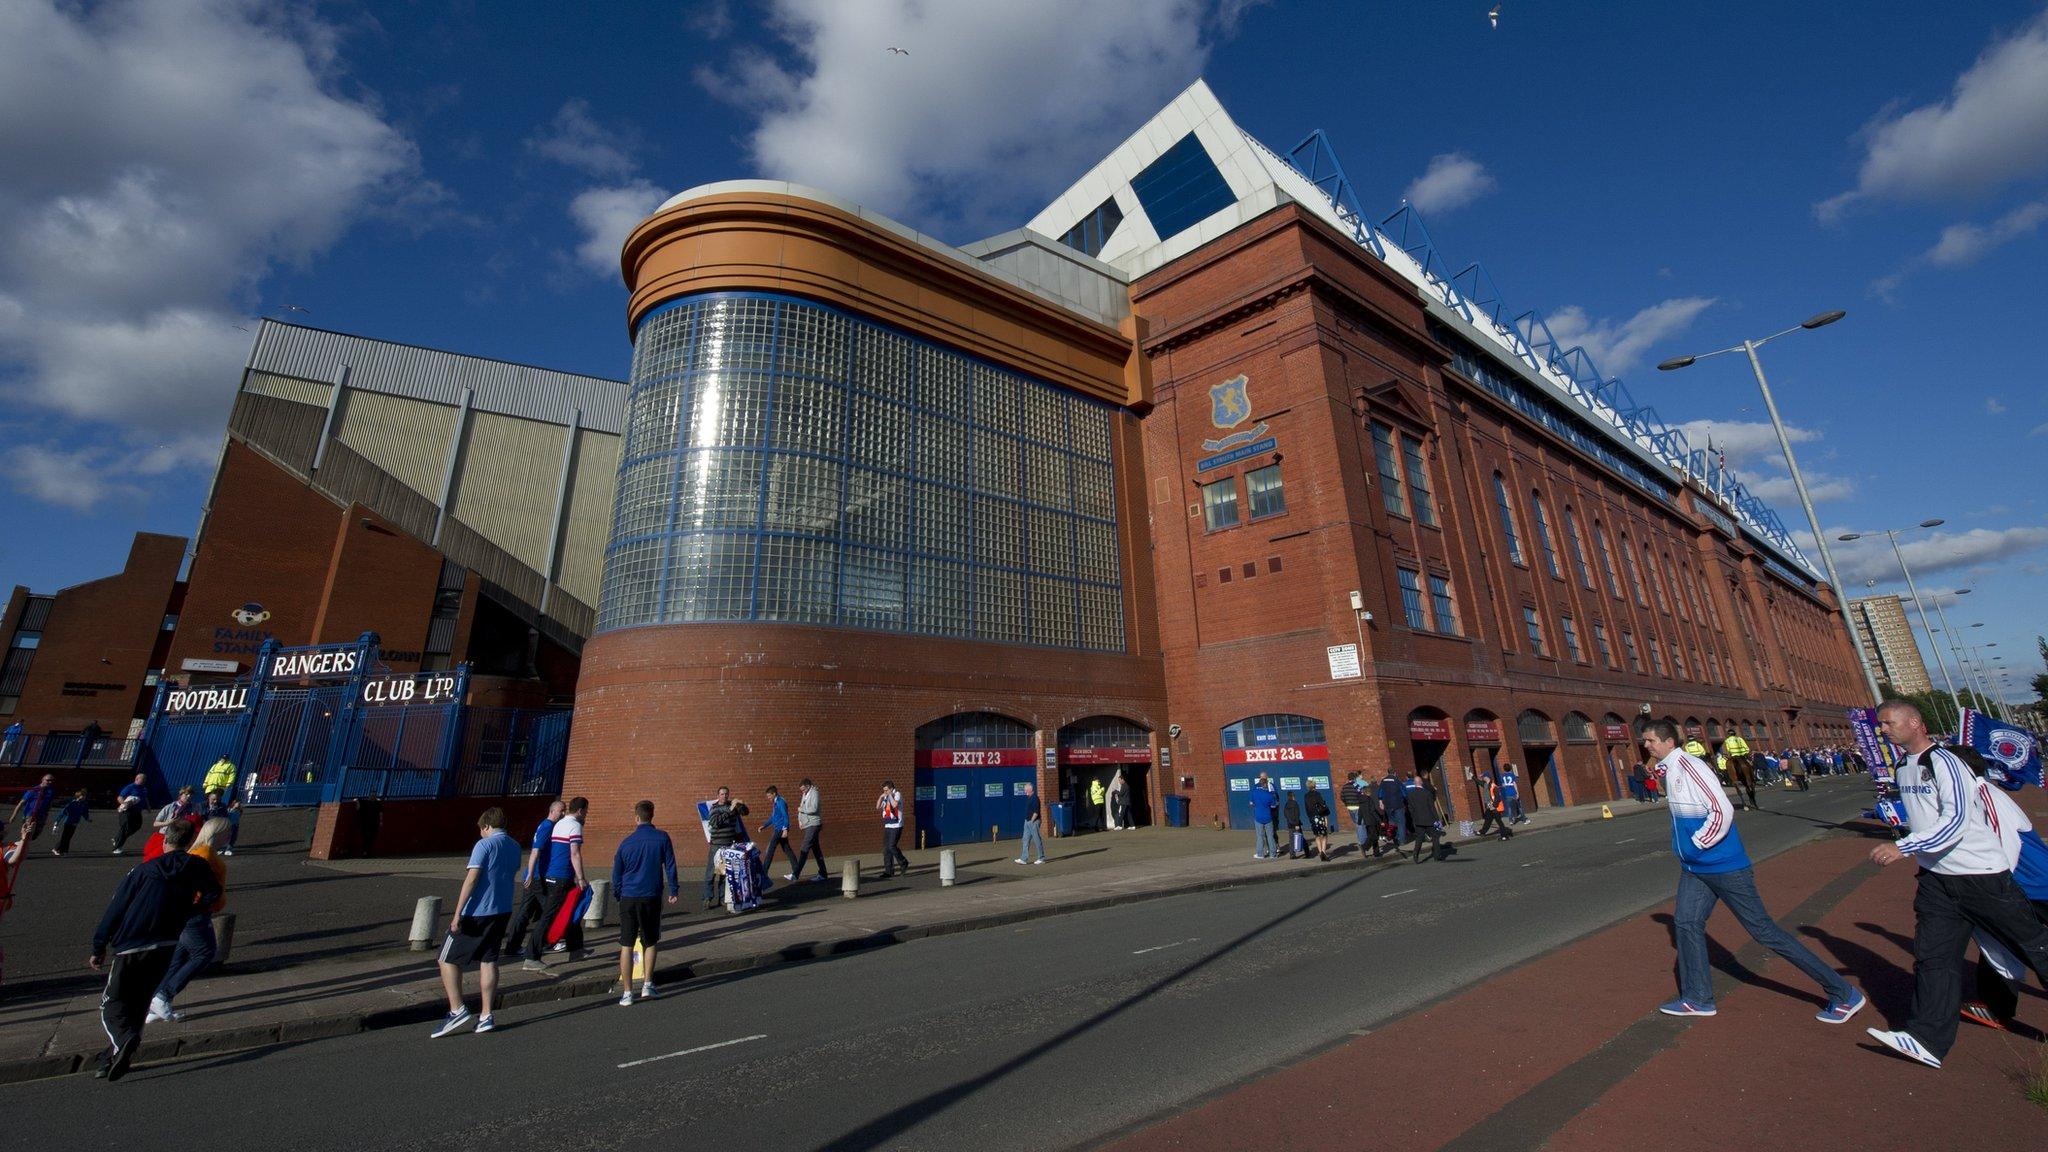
482, 911
778, 830
646, 859
75, 812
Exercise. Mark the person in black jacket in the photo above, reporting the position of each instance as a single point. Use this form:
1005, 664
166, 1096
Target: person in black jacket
1291, 813
1393, 810
140, 932
1420, 803
1319, 821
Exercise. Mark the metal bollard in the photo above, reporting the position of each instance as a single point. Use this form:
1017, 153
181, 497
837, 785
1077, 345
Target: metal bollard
946, 869
426, 923
849, 879
224, 937
600, 901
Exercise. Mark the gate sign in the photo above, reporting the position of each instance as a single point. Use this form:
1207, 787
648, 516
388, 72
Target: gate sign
1424, 728
1482, 731
316, 663
977, 757
425, 688
185, 701
1614, 733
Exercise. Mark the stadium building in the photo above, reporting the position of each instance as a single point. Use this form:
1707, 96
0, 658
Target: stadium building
1200, 473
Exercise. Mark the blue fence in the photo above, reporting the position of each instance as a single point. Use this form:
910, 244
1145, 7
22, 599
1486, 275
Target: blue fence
58, 749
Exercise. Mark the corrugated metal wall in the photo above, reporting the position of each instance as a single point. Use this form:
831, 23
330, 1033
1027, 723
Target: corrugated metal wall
505, 487
407, 438
288, 388
588, 518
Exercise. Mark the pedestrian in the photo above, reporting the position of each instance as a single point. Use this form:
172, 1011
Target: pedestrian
234, 823
181, 807
810, 820
137, 936
531, 884
35, 803
778, 830
890, 805
1290, 810
1119, 801
11, 741
1357, 801
722, 831
128, 810
482, 910
220, 777
1265, 845
1965, 883
1319, 821
1423, 819
1714, 866
1800, 775
1032, 839
1098, 805
369, 823
1511, 792
1495, 806
645, 859
76, 811
1637, 776
197, 946
561, 883
1393, 810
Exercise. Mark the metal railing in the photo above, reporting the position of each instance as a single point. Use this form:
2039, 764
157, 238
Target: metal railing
59, 749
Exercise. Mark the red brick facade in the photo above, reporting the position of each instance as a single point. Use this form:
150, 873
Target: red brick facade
99, 644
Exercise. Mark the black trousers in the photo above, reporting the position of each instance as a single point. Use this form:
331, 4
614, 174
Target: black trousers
64, 837
1496, 818
1435, 841
1946, 910
811, 848
128, 823
554, 894
892, 856
131, 981
1995, 991
530, 905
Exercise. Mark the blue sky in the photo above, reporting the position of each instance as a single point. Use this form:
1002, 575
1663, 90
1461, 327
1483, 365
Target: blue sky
1657, 179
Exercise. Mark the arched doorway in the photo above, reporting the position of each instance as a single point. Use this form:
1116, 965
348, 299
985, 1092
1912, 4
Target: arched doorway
974, 774
1618, 746
1290, 749
1539, 747
1591, 767
1429, 738
1483, 739
1097, 748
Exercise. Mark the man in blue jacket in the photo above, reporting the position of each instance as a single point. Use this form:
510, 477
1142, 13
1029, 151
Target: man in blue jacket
139, 931
1267, 845
1713, 866
778, 830
1393, 810
645, 859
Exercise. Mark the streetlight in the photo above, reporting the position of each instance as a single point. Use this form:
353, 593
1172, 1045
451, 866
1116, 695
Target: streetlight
1892, 534
1955, 645
1749, 348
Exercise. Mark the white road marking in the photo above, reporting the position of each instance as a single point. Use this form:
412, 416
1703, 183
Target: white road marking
1402, 892
1159, 947
1630, 840
693, 1051
1532, 862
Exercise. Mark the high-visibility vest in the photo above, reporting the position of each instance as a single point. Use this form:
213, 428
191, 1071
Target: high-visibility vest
221, 776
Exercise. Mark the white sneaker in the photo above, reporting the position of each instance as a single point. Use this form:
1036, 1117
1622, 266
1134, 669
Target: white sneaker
626, 998
647, 991
231, 852
1022, 860
159, 1009
1905, 1045
789, 876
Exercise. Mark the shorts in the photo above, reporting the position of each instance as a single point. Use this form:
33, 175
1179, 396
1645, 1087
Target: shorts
639, 921
474, 940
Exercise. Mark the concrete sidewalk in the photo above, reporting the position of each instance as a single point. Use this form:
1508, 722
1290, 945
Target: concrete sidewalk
374, 987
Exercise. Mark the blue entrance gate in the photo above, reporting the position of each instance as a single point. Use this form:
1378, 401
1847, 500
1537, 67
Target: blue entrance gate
975, 771
1289, 749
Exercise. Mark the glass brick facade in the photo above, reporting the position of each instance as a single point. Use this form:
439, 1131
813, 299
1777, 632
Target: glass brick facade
788, 462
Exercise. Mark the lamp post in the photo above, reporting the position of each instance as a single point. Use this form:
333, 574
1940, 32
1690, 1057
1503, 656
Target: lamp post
1748, 348
1892, 534
1955, 643
1997, 705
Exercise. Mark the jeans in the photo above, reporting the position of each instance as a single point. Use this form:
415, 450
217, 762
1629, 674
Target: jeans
781, 839
1267, 844
892, 856
1946, 910
811, 848
196, 949
1031, 837
714, 876
1696, 897
1515, 808
1359, 828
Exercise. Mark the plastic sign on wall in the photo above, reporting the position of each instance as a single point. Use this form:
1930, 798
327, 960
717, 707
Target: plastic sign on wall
1344, 662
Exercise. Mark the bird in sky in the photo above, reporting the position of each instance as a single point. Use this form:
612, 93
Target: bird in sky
1493, 17
900, 51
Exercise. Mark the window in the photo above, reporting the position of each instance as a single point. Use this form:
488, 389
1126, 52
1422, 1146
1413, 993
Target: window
1571, 638
1219, 503
1635, 657
1446, 608
1181, 188
1607, 561
1418, 481
1635, 574
1263, 486
1578, 547
170, 623
1095, 229
1534, 624
28, 641
1507, 519
1411, 598
1543, 535
1600, 642
1656, 579
1678, 662
1392, 494
1656, 656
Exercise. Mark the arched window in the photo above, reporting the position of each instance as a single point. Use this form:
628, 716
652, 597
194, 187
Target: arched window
1507, 519
1273, 728
975, 730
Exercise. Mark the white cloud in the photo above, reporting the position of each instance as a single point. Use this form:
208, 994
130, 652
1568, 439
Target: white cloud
1617, 346
711, 19
606, 215
1993, 406
1929, 554
995, 108
1451, 181
2038, 430
1755, 456
163, 157
575, 139
1991, 130
1962, 244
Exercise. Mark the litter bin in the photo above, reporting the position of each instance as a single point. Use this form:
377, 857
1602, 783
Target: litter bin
1176, 811
1062, 818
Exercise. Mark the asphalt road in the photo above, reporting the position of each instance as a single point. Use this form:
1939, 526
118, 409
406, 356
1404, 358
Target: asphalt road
1054, 1034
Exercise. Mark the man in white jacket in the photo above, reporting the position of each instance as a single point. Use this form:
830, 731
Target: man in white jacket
1965, 884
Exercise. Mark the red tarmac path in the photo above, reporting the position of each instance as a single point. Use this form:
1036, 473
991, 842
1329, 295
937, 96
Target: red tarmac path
1568, 1052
